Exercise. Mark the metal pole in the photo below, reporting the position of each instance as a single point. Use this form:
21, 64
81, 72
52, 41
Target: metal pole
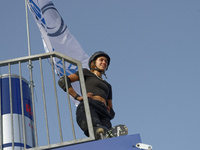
27, 28
31, 72
86, 103
11, 106
22, 105
70, 109
1, 131
44, 100
57, 105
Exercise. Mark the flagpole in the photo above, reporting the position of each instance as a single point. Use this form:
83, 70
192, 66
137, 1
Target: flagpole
30, 66
27, 27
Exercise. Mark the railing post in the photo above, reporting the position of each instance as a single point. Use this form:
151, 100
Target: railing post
1, 131
70, 109
44, 100
22, 106
56, 97
86, 104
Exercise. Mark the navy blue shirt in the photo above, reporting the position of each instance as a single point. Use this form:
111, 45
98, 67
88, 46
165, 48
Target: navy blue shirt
95, 85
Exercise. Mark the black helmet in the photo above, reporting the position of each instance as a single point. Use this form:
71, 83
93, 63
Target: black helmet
96, 55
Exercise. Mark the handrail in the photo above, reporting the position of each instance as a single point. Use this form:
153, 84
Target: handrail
39, 58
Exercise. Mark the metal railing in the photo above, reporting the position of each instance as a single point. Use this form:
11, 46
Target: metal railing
10, 66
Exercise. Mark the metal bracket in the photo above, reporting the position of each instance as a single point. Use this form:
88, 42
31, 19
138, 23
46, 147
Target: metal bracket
30, 66
144, 146
31, 84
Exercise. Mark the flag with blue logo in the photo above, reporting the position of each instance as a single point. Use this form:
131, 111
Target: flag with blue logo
56, 36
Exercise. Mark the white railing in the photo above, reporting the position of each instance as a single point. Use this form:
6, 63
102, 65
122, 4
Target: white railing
43, 85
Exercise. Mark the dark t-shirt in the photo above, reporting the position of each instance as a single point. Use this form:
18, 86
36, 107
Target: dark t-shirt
95, 85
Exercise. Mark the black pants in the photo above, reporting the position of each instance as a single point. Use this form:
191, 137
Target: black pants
99, 115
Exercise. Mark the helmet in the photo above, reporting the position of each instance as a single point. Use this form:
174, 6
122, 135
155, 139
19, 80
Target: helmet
96, 55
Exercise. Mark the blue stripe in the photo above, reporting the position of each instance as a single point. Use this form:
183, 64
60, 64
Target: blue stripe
16, 97
15, 144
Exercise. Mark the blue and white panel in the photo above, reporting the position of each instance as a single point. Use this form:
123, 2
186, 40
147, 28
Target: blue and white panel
17, 113
18, 132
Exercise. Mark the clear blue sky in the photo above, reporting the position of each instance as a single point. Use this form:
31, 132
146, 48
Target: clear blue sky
155, 67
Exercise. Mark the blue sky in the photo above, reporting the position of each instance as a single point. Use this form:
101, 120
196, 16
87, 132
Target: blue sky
155, 67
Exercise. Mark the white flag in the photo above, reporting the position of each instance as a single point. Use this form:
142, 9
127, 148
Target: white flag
56, 36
